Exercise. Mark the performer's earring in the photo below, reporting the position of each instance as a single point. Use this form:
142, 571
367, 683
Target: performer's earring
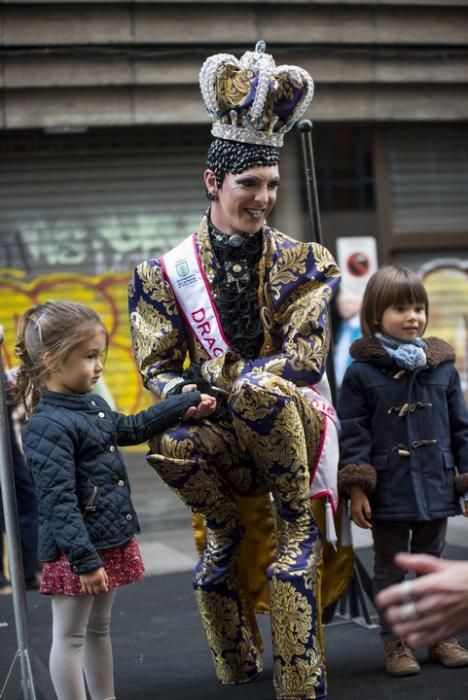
212, 196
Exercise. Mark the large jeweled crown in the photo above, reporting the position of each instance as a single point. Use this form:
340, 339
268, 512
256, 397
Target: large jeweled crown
252, 99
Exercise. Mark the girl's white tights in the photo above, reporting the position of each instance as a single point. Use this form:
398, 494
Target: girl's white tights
81, 643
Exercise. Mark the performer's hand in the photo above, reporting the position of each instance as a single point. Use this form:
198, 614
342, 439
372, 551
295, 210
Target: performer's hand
206, 407
94, 582
188, 387
361, 512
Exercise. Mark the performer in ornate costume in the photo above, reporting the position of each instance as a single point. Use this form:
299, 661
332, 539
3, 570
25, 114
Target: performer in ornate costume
247, 305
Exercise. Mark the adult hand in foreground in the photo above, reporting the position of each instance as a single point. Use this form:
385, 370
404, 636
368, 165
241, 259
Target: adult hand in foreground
432, 607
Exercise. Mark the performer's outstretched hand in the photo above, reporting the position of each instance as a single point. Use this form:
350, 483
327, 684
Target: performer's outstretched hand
206, 407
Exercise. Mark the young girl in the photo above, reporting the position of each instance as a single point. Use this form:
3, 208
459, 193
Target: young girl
86, 518
404, 441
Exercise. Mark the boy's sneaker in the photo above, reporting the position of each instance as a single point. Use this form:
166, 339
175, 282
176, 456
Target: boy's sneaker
399, 659
449, 652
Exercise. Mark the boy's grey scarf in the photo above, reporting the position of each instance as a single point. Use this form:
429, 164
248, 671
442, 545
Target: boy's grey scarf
408, 354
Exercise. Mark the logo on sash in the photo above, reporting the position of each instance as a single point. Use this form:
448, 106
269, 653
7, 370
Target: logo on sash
182, 268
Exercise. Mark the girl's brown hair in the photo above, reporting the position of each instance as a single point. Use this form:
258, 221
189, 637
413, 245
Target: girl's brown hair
390, 286
55, 327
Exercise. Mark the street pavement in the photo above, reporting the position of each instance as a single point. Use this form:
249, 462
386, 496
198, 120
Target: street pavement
160, 649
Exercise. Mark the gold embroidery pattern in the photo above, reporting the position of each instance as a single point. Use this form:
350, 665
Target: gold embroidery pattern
233, 86
276, 365
150, 276
226, 625
310, 574
212, 605
155, 287
301, 679
247, 401
175, 448
230, 640
296, 538
324, 261
220, 555
297, 667
148, 326
291, 266
291, 617
286, 85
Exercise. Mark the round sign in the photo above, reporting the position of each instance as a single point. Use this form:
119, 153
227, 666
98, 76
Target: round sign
358, 264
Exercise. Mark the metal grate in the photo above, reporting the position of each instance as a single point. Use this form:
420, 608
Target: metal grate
428, 171
90, 213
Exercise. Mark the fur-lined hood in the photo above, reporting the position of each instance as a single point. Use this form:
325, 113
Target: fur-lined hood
369, 348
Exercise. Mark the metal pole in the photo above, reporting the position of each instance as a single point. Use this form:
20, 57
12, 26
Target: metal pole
355, 589
14, 544
305, 129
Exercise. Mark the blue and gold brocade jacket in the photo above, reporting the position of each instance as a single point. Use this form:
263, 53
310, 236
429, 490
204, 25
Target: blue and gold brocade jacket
296, 283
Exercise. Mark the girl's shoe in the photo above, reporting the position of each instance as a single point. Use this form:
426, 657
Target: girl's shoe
399, 659
449, 652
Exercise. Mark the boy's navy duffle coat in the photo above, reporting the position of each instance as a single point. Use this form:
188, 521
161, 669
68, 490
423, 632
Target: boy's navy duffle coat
404, 434
81, 481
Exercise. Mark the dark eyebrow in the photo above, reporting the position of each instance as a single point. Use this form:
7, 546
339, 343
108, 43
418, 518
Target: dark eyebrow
254, 178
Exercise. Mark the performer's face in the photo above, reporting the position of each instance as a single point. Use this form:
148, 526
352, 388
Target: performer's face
244, 200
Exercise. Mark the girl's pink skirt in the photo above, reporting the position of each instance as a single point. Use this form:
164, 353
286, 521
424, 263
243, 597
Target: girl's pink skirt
123, 565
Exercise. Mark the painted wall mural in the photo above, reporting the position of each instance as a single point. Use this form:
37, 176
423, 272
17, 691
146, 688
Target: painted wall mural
107, 294
446, 281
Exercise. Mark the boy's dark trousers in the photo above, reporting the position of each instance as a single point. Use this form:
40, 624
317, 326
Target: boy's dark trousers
426, 537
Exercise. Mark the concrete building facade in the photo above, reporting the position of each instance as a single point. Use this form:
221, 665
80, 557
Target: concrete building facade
103, 135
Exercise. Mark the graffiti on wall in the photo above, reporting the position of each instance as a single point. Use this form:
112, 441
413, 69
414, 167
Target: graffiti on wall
106, 294
104, 243
446, 281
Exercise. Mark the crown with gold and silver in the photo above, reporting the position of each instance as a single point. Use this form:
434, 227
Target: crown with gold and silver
253, 100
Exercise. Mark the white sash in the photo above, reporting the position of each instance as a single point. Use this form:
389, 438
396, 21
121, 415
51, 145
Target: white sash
324, 473
183, 270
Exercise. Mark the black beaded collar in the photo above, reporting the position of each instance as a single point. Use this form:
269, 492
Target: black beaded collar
241, 241
235, 288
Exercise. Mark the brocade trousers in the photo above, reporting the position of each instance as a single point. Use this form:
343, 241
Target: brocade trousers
267, 444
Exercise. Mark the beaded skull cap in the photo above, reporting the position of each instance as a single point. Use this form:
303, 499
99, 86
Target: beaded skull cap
253, 100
